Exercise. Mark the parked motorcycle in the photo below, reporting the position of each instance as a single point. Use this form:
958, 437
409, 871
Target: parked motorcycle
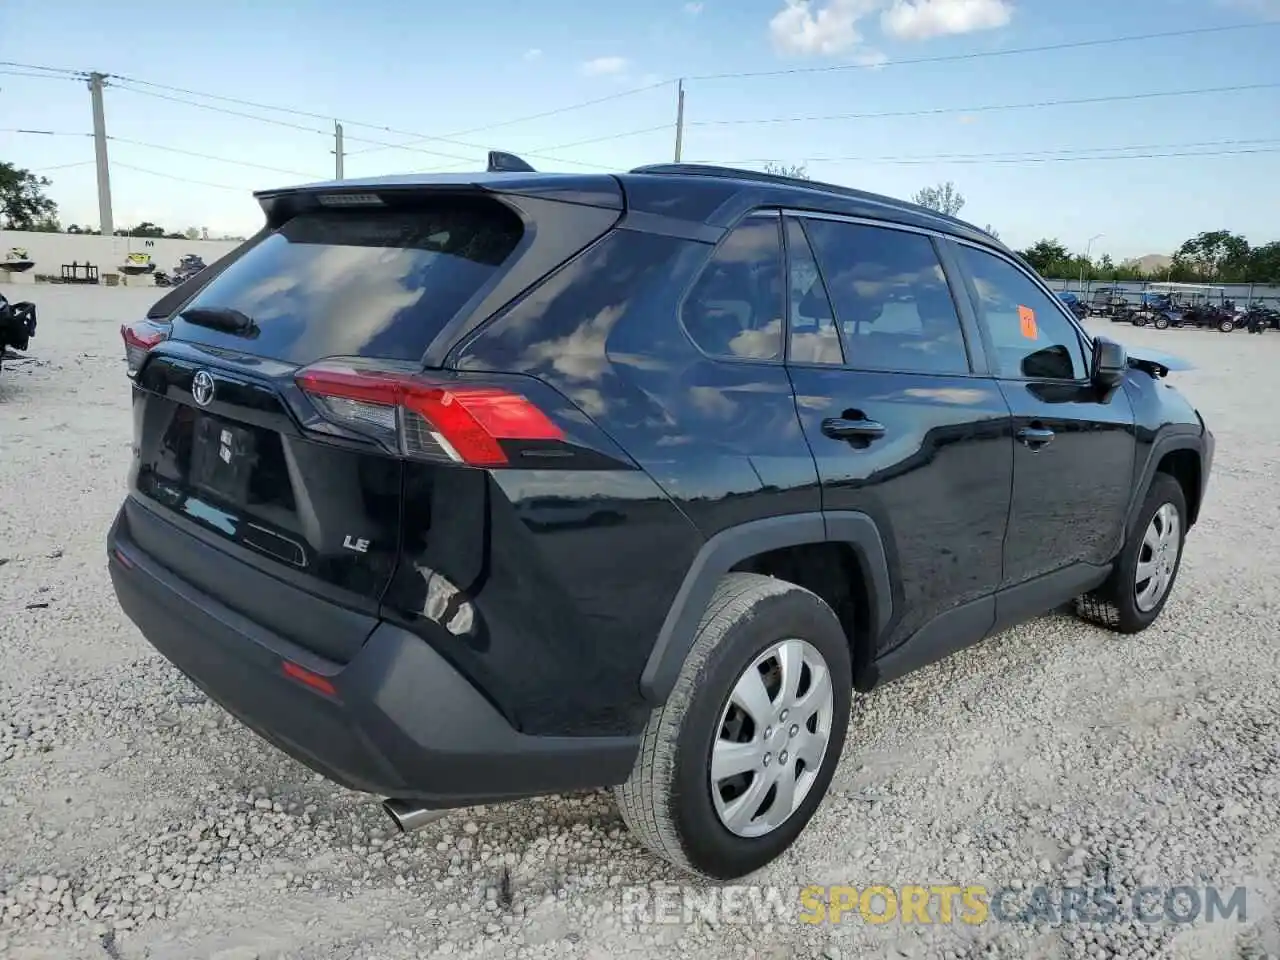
1258, 318
17, 325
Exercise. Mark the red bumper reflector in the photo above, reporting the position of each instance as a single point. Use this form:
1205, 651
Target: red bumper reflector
308, 677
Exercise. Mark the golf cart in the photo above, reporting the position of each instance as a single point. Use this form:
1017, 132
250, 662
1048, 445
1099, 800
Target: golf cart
1197, 305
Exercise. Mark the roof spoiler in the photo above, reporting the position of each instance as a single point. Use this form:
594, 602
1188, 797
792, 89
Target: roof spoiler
500, 162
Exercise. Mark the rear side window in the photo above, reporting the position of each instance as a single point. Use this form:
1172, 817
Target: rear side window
359, 283
1031, 336
736, 307
891, 298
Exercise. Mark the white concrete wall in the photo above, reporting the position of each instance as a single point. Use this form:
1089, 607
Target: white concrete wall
51, 250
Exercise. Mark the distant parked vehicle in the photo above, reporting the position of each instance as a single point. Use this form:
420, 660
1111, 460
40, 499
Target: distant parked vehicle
1074, 304
1198, 305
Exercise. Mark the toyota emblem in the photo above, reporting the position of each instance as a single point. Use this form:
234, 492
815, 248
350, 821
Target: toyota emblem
202, 388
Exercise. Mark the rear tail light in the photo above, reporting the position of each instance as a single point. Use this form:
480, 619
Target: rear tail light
425, 419
139, 338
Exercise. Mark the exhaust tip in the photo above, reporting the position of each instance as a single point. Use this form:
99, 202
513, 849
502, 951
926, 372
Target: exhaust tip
409, 816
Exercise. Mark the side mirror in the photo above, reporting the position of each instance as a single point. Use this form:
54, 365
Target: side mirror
1110, 361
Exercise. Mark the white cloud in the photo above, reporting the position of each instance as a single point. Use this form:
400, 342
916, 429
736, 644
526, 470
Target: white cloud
807, 28
604, 66
693, 8
533, 53
922, 19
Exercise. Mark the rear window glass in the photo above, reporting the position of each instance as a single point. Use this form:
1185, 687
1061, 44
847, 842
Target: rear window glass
372, 283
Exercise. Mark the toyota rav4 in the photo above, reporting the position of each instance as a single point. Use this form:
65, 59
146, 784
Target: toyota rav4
470, 488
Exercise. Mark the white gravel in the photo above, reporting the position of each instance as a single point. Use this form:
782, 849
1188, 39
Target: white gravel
137, 820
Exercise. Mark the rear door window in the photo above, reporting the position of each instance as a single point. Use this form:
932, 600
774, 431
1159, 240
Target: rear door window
371, 283
891, 298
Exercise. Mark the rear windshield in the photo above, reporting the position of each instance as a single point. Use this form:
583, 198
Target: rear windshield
372, 283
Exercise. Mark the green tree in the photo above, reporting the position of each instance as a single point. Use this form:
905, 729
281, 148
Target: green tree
1264, 263
944, 198
23, 203
1049, 257
145, 229
1215, 255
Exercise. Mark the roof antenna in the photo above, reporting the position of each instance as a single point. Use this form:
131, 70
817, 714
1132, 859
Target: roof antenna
500, 162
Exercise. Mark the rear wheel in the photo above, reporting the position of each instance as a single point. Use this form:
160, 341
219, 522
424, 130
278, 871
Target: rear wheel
1144, 573
1226, 325
1162, 322
732, 767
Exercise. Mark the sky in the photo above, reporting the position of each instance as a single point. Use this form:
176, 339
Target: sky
883, 95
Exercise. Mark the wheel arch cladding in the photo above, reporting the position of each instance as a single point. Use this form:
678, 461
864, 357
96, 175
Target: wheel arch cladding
1181, 456
769, 544
1185, 466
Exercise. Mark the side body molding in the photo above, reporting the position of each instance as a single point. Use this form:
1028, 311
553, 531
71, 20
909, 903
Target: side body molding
731, 546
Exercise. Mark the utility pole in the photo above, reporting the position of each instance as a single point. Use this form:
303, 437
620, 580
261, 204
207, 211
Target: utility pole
679, 118
106, 224
337, 150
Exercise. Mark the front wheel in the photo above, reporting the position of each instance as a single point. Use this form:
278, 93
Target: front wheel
1226, 326
733, 766
1162, 323
1144, 573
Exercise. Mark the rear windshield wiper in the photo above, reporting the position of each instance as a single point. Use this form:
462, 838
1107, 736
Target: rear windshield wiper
226, 319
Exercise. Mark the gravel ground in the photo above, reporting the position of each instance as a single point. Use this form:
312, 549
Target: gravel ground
136, 820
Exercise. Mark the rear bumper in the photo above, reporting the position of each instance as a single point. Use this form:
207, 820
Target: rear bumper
402, 722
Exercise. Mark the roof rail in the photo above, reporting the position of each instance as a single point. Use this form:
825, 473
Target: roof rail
735, 173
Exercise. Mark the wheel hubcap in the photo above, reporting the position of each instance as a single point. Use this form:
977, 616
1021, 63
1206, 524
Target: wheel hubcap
772, 738
1158, 557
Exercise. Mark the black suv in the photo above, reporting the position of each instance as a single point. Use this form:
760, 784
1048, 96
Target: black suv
462, 489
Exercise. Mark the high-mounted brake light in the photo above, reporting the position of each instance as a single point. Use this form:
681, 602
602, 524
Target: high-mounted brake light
139, 339
350, 200
463, 423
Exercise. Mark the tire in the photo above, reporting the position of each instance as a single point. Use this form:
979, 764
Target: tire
1226, 326
1118, 604
1162, 323
1139, 321
667, 802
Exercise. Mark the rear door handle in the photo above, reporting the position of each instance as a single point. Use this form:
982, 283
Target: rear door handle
843, 428
1035, 437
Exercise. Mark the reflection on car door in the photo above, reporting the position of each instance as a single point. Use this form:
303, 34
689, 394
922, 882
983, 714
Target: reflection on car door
1073, 462
900, 427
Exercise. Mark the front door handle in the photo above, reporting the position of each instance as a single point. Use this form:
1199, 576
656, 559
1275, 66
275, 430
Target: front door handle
844, 428
1035, 437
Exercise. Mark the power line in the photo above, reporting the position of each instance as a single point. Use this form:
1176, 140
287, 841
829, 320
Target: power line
63, 71
1082, 152
169, 176
64, 166
987, 108
917, 161
416, 137
985, 54
44, 133
37, 76
233, 113
206, 156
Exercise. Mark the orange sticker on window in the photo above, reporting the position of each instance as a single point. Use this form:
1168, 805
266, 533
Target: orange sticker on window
1027, 317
